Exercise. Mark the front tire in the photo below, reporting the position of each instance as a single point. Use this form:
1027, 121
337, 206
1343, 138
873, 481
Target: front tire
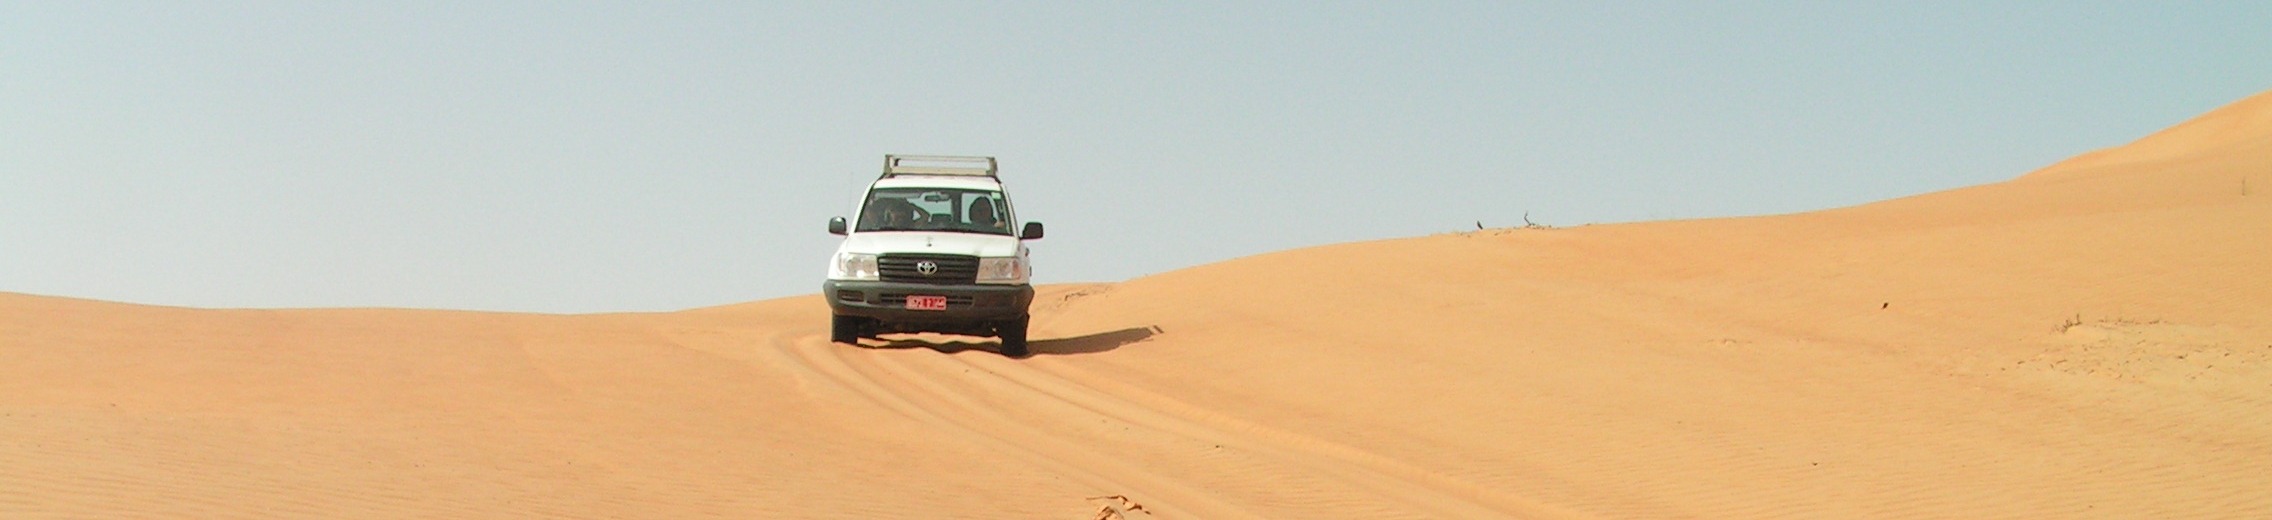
845, 329
1013, 334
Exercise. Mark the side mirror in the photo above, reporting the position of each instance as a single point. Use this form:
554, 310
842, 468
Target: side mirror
836, 225
1031, 232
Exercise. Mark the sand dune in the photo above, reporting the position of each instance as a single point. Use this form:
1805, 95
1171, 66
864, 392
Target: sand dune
2093, 340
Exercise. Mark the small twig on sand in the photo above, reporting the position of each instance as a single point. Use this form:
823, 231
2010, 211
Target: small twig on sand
1527, 224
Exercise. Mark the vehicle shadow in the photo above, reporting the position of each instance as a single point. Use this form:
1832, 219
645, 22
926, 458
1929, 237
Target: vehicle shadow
1093, 343
1087, 344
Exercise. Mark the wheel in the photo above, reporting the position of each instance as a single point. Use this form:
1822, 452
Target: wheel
845, 329
1013, 334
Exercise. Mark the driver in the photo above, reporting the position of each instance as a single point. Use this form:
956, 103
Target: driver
896, 214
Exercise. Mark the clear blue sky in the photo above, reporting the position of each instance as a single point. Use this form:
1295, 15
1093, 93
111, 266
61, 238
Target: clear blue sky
579, 157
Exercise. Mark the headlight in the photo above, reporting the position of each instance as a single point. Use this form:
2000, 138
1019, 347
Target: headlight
852, 266
1011, 269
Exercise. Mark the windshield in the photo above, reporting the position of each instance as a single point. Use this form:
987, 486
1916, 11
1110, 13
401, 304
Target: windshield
935, 209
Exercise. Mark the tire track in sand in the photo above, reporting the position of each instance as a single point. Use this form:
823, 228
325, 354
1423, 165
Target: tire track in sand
919, 398
1025, 410
1435, 494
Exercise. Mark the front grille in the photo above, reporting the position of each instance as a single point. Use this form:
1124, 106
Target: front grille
952, 269
954, 301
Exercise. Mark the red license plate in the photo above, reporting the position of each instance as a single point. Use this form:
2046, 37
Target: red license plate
927, 303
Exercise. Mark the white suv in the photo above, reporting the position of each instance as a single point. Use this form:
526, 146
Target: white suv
933, 251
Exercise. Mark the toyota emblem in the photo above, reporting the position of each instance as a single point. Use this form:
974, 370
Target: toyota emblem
927, 267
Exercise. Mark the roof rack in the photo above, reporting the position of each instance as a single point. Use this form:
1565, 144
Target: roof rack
975, 166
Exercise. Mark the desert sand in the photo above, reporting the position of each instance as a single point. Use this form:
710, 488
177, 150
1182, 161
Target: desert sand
2090, 340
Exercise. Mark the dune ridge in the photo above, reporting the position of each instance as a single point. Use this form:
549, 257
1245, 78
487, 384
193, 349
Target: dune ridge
2236, 129
2088, 340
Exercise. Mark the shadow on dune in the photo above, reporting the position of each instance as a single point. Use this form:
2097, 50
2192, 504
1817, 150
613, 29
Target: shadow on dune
1093, 343
1089, 344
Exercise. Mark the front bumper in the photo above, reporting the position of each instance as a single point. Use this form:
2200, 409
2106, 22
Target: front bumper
887, 301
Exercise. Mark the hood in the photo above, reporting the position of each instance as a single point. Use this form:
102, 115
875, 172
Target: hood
879, 242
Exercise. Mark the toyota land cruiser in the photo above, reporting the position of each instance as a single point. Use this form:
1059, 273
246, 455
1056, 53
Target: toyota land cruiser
932, 250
